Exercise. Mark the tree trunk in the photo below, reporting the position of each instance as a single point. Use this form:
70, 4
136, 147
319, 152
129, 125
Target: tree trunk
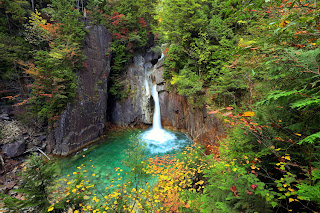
32, 4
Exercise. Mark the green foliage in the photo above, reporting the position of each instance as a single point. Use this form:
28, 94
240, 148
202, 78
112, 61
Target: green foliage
37, 179
13, 13
230, 186
202, 38
53, 68
190, 85
135, 155
72, 28
310, 192
13, 47
129, 22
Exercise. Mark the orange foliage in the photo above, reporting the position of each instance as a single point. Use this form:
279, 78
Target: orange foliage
29, 68
52, 29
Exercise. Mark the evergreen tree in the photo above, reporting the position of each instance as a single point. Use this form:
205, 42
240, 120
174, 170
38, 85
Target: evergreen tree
37, 179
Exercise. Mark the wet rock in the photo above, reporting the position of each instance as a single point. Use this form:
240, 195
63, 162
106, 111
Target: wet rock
4, 116
42, 138
161, 87
176, 112
14, 149
137, 108
158, 75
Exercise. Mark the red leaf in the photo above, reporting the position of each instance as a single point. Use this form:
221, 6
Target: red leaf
214, 112
227, 114
253, 186
229, 108
233, 189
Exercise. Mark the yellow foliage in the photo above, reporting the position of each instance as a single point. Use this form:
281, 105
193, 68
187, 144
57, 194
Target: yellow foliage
248, 114
174, 80
244, 43
36, 19
283, 23
287, 157
50, 208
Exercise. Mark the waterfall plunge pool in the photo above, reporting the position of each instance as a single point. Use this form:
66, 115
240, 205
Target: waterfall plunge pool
101, 164
100, 160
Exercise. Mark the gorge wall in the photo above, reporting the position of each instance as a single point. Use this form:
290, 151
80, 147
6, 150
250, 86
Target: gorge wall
176, 113
137, 109
84, 119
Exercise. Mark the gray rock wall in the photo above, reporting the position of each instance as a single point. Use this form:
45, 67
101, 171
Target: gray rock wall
137, 109
84, 120
175, 111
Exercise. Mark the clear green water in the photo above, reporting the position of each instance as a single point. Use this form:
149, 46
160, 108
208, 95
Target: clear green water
101, 159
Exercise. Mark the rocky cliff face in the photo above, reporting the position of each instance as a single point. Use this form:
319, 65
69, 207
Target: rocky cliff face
84, 120
137, 109
175, 111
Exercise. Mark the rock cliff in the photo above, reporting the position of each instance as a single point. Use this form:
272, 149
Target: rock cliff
137, 109
84, 120
175, 111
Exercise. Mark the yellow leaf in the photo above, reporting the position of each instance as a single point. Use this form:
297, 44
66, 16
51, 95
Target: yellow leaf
174, 80
50, 208
297, 134
291, 190
287, 157
200, 182
291, 200
283, 23
248, 114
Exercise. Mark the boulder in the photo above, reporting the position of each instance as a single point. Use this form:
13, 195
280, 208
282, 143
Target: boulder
4, 116
14, 149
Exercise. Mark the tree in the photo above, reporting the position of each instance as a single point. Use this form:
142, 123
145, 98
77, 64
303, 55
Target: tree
38, 177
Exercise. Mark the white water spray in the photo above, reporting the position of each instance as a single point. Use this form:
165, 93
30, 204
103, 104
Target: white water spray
156, 114
159, 140
158, 136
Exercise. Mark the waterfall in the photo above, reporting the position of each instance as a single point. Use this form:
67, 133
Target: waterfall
156, 136
156, 114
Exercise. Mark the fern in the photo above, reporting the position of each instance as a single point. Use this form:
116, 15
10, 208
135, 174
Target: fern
309, 192
311, 139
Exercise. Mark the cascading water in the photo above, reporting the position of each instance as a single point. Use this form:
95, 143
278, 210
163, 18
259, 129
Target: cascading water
159, 140
156, 115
